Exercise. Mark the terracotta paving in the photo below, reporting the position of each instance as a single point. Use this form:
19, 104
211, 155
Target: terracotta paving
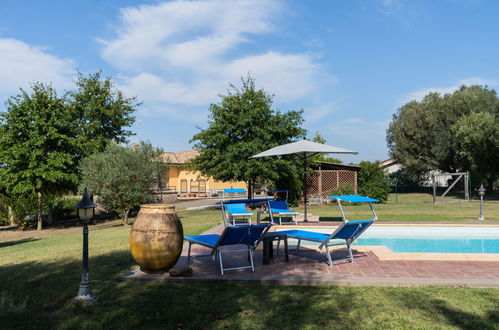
310, 267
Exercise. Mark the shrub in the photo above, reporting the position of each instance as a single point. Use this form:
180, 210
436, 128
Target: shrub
373, 182
65, 208
346, 189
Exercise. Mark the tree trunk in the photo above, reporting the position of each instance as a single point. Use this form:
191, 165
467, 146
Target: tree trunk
11, 215
250, 189
125, 217
39, 211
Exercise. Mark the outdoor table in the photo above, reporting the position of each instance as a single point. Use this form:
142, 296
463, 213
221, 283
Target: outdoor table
268, 246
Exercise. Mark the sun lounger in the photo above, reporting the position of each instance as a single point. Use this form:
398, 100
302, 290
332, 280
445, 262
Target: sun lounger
280, 209
247, 236
237, 211
345, 234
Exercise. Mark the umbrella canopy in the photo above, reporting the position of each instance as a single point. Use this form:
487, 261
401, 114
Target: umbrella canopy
303, 147
306, 149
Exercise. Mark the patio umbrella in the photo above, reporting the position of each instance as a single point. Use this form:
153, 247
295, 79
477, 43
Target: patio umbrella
306, 149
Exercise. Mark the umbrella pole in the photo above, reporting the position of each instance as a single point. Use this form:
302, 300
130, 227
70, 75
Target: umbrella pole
305, 187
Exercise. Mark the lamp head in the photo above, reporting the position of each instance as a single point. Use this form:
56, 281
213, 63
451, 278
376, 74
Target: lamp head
85, 207
481, 190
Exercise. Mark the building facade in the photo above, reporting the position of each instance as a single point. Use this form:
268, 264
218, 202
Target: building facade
187, 181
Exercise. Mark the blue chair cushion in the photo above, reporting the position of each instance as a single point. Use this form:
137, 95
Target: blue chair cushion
303, 234
206, 240
237, 209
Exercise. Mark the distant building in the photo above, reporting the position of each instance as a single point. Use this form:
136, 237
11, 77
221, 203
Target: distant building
392, 166
188, 181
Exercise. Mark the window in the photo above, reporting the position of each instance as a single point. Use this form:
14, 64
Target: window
194, 186
202, 186
183, 185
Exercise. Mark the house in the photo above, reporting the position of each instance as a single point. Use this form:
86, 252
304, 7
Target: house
330, 176
441, 178
390, 165
186, 181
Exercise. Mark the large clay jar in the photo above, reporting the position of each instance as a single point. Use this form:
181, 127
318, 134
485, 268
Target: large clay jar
156, 238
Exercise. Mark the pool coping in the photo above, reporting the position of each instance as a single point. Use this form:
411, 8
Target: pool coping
384, 253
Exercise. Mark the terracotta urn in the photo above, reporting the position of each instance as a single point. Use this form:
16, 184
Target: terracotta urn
156, 238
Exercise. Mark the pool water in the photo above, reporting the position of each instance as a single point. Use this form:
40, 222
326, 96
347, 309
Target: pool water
430, 239
433, 239
434, 245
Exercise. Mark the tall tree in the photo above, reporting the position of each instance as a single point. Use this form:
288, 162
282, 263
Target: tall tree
433, 133
102, 112
38, 145
122, 176
44, 136
243, 124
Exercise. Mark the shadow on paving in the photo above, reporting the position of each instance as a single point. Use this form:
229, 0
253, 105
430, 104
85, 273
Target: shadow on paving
48, 289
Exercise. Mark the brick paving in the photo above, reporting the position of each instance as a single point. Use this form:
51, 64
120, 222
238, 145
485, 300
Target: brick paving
310, 267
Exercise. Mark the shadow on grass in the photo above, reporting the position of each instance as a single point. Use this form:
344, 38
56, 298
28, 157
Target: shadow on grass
48, 289
21, 241
446, 313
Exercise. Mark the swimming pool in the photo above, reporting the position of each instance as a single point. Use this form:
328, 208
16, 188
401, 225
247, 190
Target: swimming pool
429, 239
441, 239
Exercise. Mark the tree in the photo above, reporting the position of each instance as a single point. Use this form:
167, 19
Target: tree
477, 142
433, 133
243, 124
38, 145
102, 112
373, 182
43, 136
122, 177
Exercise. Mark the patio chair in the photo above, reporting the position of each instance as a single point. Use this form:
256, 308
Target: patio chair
280, 208
348, 231
250, 236
237, 210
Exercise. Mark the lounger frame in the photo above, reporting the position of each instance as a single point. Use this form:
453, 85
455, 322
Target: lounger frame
217, 251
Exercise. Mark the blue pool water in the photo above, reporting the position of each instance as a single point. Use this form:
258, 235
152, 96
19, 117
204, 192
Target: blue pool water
434, 245
430, 239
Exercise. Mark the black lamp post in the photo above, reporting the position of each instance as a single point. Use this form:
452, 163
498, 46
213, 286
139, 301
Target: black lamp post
85, 213
481, 192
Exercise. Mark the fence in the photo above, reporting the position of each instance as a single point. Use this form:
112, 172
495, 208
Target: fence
323, 181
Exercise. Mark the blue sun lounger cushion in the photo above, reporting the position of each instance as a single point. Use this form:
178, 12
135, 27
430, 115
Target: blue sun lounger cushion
347, 231
280, 208
247, 236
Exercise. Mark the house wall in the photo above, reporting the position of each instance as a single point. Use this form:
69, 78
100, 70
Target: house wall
176, 174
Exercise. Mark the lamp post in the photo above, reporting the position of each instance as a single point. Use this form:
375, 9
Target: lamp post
85, 213
481, 192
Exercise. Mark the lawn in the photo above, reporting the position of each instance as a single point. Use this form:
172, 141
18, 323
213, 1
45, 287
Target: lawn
412, 208
40, 274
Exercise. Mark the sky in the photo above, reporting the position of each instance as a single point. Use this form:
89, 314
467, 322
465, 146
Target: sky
348, 64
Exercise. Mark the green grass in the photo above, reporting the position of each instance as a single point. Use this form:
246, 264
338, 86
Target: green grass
411, 208
40, 274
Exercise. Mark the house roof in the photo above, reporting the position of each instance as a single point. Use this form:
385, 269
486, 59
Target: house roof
388, 162
179, 157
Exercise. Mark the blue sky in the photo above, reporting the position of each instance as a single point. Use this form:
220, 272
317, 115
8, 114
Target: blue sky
348, 64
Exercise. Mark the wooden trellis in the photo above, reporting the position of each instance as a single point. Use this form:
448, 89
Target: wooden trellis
323, 181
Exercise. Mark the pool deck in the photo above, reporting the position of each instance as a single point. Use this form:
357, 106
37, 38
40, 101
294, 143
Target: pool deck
373, 266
